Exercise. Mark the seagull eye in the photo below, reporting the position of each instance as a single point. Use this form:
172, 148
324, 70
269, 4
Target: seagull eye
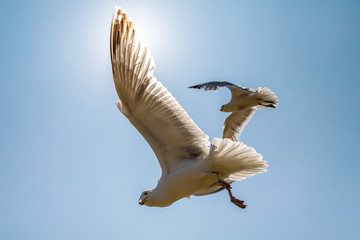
145, 193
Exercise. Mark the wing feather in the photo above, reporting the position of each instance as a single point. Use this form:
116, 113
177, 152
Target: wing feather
235, 123
213, 86
147, 104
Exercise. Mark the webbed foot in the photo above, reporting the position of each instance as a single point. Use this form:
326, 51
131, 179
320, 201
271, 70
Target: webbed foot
227, 186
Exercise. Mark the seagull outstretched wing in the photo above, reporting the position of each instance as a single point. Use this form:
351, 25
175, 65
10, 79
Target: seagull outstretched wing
147, 104
235, 123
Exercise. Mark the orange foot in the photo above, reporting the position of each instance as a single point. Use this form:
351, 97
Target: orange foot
238, 202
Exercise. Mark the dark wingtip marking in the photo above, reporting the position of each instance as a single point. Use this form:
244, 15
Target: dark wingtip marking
196, 87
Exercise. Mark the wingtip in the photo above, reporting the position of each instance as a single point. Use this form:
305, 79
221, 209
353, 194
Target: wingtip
119, 14
117, 11
195, 87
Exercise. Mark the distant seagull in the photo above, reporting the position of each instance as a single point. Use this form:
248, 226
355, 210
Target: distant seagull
189, 166
243, 104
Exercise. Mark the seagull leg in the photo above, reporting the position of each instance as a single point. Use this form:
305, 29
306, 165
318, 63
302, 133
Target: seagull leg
227, 186
269, 103
222, 182
236, 201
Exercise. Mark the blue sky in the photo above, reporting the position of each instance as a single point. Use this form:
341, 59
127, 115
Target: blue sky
72, 167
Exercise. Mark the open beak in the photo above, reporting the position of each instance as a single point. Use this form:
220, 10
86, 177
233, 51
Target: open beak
142, 201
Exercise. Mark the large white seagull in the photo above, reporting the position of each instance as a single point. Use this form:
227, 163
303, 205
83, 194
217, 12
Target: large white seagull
189, 166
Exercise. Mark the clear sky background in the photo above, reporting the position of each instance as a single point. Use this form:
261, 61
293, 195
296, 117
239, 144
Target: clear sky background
73, 167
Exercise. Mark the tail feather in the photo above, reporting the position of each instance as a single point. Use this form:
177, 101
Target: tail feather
235, 160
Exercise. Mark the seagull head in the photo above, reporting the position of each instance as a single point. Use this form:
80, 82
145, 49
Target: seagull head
144, 197
154, 198
229, 108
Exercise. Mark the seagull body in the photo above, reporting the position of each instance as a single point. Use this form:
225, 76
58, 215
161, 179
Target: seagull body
181, 183
234, 161
243, 104
189, 166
